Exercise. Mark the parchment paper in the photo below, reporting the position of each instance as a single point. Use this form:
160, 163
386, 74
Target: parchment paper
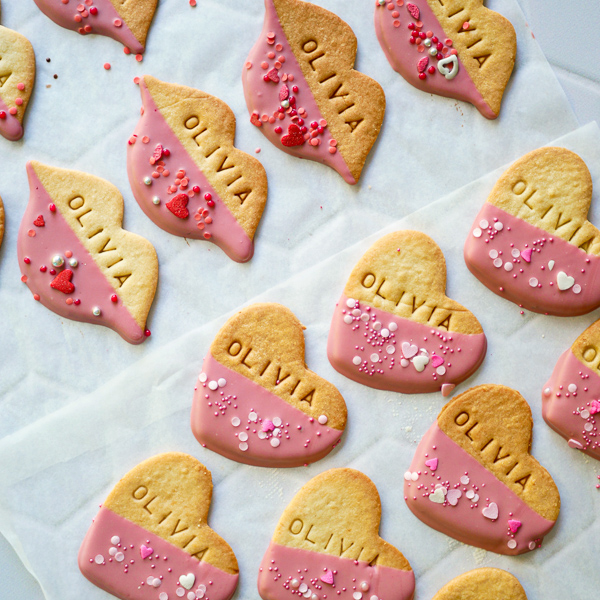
428, 147
57, 471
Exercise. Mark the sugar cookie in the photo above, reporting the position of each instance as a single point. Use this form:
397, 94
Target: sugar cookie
483, 584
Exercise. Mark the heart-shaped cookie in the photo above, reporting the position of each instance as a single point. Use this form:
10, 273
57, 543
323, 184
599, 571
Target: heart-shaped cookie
111, 274
540, 204
327, 544
300, 72
151, 540
395, 329
454, 48
482, 440
483, 584
17, 76
186, 174
125, 22
571, 397
255, 400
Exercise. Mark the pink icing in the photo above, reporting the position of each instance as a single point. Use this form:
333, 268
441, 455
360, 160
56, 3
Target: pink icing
91, 287
263, 98
505, 234
462, 517
222, 228
10, 126
282, 565
102, 23
398, 343
261, 416
404, 56
122, 572
570, 404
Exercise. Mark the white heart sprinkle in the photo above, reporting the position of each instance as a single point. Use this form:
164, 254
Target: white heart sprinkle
409, 350
420, 362
491, 511
550, 265
438, 496
453, 496
564, 281
187, 581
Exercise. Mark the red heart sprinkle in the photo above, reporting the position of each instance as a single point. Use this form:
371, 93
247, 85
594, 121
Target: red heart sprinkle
294, 136
39, 222
255, 120
422, 64
177, 206
273, 75
62, 282
413, 10
158, 152
284, 92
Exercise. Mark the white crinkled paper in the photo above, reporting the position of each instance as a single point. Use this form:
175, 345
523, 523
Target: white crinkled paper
57, 471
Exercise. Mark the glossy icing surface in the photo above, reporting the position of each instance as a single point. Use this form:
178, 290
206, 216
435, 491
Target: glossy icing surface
456, 495
528, 266
40, 244
291, 572
264, 99
571, 404
412, 59
106, 21
246, 423
211, 221
132, 563
10, 127
387, 352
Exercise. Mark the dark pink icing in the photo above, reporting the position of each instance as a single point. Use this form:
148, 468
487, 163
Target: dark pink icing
404, 56
282, 565
102, 23
10, 126
465, 520
263, 99
453, 357
571, 404
302, 439
222, 228
92, 289
518, 236
122, 572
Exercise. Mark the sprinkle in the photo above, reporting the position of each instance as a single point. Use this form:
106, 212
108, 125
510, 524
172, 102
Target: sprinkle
107, 66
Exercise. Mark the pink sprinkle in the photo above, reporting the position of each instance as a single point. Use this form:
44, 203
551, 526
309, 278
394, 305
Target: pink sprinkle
514, 525
117, 22
432, 463
20, 86
12, 110
267, 425
332, 149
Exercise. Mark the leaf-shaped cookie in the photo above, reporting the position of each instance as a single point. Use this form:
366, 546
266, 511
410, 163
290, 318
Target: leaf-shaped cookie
531, 242
76, 259
17, 75
303, 92
327, 544
473, 478
256, 401
394, 328
124, 21
454, 48
571, 397
186, 174
483, 584
151, 540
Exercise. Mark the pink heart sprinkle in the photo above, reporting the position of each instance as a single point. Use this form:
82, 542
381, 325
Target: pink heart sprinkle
328, 577
526, 254
491, 511
514, 525
409, 350
594, 407
432, 463
267, 425
436, 360
145, 551
453, 496
447, 389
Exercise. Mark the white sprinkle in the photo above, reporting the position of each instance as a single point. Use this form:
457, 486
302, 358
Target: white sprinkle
163, 596
441, 370
252, 417
191, 596
357, 312
348, 319
350, 303
585, 414
99, 559
243, 436
222, 382
498, 226
294, 583
515, 253
498, 263
235, 421
470, 494
393, 326
576, 289
465, 479
533, 282
405, 362
303, 588
307, 594
243, 446
547, 391
572, 388
588, 427
202, 588
483, 224
374, 357
115, 539
149, 580
414, 476
390, 349
261, 435
477, 232
276, 431
493, 253
373, 597
277, 421
357, 595
377, 325
550, 265
407, 475
511, 544
322, 419
532, 545
275, 442
385, 333
202, 377
475, 498
213, 385
364, 586
156, 583
364, 317
357, 360
113, 551
508, 266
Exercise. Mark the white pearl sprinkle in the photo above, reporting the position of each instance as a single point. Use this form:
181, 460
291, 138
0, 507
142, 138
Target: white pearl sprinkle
222, 382
243, 436
393, 326
148, 180
156, 583
348, 319
235, 421
73, 262
572, 388
350, 303
115, 539
374, 357
498, 226
243, 446
533, 282
483, 224
294, 584
356, 360
508, 266
276, 421
252, 417
364, 586
99, 559
275, 442
477, 232
156, 200
322, 419
96, 311
202, 377
213, 385
493, 253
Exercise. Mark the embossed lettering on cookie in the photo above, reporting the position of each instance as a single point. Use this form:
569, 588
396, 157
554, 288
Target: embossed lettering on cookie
256, 402
532, 244
474, 479
327, 544
151, 540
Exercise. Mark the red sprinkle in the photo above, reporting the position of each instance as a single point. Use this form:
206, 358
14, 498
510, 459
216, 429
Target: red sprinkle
294, 136
255, 119
273, 75
147, 333
107, 66
114, 298
62, 282
422, 64
39, 222
284, 92
43, 268
196, 189
27, 260
413, 10
177, 205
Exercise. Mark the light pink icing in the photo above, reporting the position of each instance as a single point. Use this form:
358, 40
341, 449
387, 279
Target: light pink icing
281, 565
262, 97
222, 229
10, 126
465, 521
517, 284
302, 439
91, 287
131, 577
453, 357
403, 56
571, 404
102, 23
